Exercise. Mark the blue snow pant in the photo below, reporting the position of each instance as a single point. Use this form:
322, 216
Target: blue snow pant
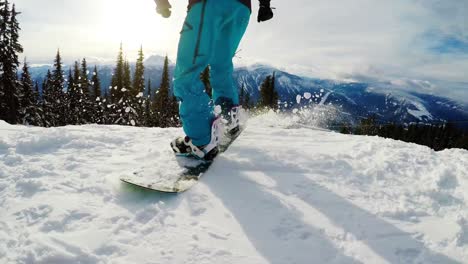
211, 35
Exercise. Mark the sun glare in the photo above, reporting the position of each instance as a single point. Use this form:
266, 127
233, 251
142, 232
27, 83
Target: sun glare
136, 23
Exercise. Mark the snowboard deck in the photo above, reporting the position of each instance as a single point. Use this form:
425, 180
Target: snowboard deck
185, 177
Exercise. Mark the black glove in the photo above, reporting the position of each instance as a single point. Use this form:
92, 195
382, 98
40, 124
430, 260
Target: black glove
264, 13
163, 8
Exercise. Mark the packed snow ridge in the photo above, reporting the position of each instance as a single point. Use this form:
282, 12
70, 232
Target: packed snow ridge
281, 194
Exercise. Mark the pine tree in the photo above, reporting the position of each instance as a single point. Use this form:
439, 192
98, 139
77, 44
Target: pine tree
265, 95
114, 107
74, 96
368, 126
345, 128
9, 63
165, 108
84, 80
106, 108
96, 84
71, 95
39, 104
138, 100
38, 93
149, 93
128, 112
87, 103
118, 78
268, 94
147, 116
57, 97
139, 77
275, 96
174, 117
47, 98
127, 81
98, 104
31, 113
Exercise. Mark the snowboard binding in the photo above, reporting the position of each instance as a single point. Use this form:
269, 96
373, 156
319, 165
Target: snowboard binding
233, 120
183, 146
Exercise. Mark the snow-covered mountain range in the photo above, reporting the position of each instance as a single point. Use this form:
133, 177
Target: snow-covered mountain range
350, 100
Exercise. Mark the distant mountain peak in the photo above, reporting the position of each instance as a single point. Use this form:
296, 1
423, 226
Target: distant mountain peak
156, 60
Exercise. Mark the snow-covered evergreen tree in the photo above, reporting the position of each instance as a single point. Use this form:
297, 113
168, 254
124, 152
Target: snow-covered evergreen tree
162, 106
47, 97
98, 103
122, 112
9, 49
138, 100
74, 96
117, 78
139, 76
147, 113
268, 94
56, 95
30, 112
96, 84
86, 104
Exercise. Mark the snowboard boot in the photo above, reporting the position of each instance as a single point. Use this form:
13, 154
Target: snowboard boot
183, 146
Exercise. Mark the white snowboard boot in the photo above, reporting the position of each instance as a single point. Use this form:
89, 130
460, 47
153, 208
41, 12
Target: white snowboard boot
183, 146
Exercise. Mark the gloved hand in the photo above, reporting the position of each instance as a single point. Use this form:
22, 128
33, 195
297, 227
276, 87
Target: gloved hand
163, 8
265, 12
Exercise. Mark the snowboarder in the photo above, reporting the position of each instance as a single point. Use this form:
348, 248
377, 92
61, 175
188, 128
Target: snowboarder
210, 35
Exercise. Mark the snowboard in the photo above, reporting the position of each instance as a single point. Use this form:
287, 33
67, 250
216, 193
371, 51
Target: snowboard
186, 172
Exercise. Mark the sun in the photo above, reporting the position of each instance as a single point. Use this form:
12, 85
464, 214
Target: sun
135, 23
128, 21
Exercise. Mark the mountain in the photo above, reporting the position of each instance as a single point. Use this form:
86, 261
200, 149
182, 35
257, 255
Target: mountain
350, 100
277, 196
353, 101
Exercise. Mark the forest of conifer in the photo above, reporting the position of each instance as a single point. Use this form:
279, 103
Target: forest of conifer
436, 136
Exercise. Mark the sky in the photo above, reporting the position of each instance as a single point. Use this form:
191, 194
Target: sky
413, 44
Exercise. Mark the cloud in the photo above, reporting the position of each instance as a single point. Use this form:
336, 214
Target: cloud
444, 44
424, 40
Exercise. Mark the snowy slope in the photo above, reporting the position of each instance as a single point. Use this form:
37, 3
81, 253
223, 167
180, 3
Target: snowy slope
281, 194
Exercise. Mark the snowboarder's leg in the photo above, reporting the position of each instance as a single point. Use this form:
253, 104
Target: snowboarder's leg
195, 51
225, 90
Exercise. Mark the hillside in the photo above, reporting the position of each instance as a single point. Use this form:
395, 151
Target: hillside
283, 193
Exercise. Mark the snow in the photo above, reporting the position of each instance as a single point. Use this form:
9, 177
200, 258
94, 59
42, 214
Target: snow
218, 109
298, 99
420, 112
279, 195
324, 99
